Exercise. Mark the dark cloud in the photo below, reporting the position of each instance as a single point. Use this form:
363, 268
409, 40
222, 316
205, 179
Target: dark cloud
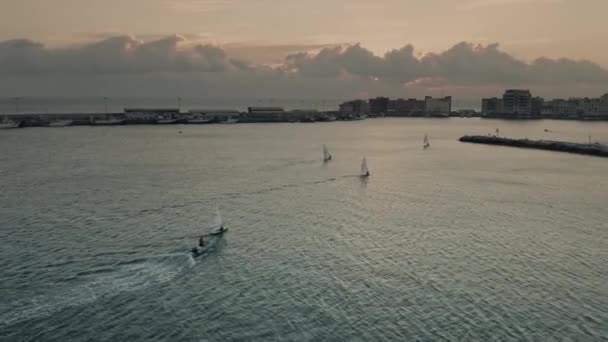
174, 64
463, 64
121, 54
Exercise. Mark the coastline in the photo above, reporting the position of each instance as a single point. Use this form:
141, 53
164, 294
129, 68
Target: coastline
114, 119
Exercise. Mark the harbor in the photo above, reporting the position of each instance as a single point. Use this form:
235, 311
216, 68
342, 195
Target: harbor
168, 116
594, 149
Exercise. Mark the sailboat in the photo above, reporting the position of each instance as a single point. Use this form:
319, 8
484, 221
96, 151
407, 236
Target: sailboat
326, 155
219, 223
425, 143
364, 170
213, 237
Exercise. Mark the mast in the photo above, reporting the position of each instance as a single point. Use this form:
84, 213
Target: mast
326, 155
364, 170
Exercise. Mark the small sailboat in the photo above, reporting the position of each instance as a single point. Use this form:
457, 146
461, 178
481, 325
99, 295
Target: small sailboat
364, 170
219, 223
425, 143
218, 229
326, 155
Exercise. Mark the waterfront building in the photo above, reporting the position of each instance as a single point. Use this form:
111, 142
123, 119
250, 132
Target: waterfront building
254, 110
536, 105
555, 107
491, 105
604, 104
267, 114
354, 107
438, 105
379, 105
405, 107
517, 101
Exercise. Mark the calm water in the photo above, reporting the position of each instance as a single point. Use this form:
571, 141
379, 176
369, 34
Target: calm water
458, 242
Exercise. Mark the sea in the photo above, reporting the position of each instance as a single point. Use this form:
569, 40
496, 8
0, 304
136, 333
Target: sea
456, 242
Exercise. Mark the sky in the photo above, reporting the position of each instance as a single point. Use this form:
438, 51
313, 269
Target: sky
312, 48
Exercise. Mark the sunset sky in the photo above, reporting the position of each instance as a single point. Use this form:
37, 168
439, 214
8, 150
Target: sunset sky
263, 33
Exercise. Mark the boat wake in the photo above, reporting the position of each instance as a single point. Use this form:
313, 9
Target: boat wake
126, 277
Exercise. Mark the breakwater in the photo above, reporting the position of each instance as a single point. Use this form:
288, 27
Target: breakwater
595, 149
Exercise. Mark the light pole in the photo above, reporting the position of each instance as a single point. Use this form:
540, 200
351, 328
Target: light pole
179, 104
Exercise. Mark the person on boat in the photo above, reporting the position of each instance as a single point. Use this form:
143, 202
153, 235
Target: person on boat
201, 242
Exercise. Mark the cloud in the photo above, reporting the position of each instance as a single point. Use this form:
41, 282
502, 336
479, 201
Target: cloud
462, 64
174, 64
116, 55
265, 53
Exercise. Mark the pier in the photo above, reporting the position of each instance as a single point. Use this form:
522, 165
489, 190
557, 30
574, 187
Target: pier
594, 149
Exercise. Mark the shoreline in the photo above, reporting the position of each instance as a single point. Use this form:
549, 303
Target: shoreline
115, 119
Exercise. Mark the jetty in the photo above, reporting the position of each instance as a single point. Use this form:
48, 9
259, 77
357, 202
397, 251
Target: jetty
594, 149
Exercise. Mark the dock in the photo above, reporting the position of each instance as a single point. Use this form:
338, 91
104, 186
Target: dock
594, 149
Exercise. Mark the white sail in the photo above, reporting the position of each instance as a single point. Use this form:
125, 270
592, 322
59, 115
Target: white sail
326, 155
218, 218
364, 170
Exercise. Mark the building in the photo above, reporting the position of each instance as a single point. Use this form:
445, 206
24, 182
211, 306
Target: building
405, 107
151, 111
253, 110
379, 105
354, 107
536, 105
604, 104
555, 107
266, 114
517, 101
521, 104
217, 115
491, 105
437, 105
